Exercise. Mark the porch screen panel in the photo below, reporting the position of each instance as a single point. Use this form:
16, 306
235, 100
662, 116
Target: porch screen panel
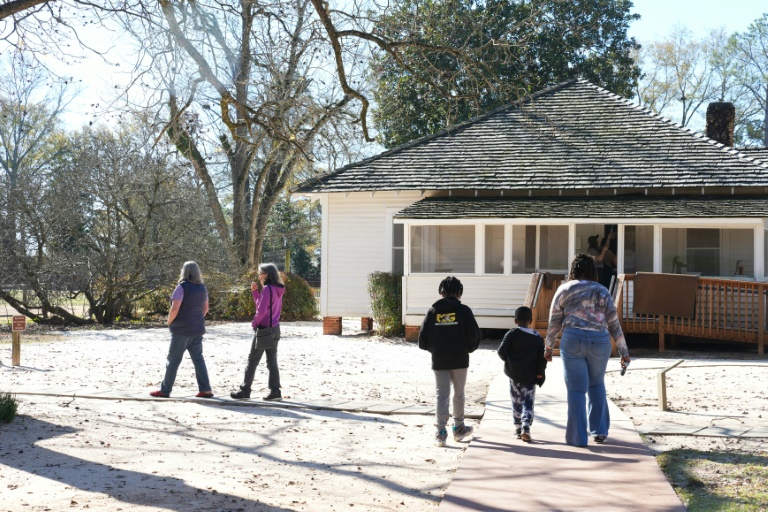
553, 248
638, 249
765, 250
708, 251
443, 249
398, 248
494, 249
738, 253
523, 249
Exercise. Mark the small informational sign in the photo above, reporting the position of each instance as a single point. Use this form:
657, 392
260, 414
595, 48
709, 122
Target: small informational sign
19, 323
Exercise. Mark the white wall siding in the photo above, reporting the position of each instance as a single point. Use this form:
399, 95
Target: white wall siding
354, 245
493, 299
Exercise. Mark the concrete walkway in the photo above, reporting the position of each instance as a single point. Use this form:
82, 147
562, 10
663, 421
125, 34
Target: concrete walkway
502, 473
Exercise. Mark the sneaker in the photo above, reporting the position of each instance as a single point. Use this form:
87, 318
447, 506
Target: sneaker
158, 394
526, 434
274, 395
205, 394
238, 395
600, 439
441, 437
518, 432
462, 432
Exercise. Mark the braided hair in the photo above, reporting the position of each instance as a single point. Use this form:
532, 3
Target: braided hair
451, 287
583, 268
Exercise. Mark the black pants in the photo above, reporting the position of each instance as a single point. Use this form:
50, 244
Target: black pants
253, 361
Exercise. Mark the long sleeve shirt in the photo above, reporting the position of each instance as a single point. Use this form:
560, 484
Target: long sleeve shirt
585, 305
272, 293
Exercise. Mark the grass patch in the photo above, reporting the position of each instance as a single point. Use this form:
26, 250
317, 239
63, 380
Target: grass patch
717, 481
8, 407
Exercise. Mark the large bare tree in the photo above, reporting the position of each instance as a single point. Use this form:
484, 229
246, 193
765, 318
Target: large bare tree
254, 88
750, 50
681, 74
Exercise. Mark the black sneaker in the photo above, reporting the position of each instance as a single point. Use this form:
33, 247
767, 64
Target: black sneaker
600, 439
274, 395
240, 394
518, 432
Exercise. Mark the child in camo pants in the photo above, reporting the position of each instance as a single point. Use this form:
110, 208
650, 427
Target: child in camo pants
522, 351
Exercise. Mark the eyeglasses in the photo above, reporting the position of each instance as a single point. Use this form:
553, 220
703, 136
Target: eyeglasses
262, 273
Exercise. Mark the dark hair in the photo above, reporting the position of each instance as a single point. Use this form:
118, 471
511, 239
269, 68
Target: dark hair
524, 314
273, 275
451, 287
583, 268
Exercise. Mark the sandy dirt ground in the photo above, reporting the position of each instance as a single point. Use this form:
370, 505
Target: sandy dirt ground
710, 388
107, 455
71, 454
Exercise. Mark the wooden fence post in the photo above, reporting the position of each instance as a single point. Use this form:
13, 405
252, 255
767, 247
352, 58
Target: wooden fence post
661, 379
661, 333
16, 349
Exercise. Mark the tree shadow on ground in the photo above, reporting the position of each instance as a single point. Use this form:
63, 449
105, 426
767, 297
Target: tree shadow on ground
23, 453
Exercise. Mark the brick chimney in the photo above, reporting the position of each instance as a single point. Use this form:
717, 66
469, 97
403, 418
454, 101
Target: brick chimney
721, 118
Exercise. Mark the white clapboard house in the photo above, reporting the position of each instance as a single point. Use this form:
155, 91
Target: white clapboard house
518, 191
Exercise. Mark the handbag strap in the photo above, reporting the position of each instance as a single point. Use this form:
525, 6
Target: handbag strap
270, 306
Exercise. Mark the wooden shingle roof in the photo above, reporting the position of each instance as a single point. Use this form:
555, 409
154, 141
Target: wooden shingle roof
757, 152
618, 207
571, 136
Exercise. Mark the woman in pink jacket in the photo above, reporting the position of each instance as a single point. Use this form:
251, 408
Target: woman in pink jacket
268, 295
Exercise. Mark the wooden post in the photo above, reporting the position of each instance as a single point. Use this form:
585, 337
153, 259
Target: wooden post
761, 319
16, 350
661, 379
18, 324
661, 333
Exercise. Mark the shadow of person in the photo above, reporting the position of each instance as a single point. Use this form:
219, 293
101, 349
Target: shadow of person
21, 450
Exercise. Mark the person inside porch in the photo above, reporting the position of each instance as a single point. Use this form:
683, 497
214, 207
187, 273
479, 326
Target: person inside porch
604, 258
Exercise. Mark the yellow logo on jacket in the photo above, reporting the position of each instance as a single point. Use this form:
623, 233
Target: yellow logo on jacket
445, 319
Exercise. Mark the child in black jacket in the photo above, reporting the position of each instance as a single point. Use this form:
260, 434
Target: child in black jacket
450, 332
522, 350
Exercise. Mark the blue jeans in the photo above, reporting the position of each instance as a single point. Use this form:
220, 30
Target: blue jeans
179, 345
443, 381
585, 356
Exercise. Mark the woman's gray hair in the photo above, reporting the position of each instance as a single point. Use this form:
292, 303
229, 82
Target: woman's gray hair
273, 275
190, 272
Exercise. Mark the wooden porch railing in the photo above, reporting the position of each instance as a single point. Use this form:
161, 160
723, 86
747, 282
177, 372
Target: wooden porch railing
728, 310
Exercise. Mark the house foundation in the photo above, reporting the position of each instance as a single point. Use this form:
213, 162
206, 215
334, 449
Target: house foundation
332, 325
412, 332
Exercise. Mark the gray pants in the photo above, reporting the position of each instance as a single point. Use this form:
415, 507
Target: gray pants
443, 379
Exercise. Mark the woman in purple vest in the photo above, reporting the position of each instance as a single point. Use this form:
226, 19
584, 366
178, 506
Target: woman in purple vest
189, 305
268, 296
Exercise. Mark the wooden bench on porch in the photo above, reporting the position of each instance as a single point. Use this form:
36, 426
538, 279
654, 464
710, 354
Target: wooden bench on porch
725, 309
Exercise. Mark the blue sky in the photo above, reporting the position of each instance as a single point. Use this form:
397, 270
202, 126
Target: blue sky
657, 19
659, 16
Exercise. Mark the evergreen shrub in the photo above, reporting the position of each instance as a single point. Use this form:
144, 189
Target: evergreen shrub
299, 300
156, 302
231, 300
8, 407
385, 290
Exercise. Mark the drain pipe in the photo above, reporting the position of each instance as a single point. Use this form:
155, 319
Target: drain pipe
661, 379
